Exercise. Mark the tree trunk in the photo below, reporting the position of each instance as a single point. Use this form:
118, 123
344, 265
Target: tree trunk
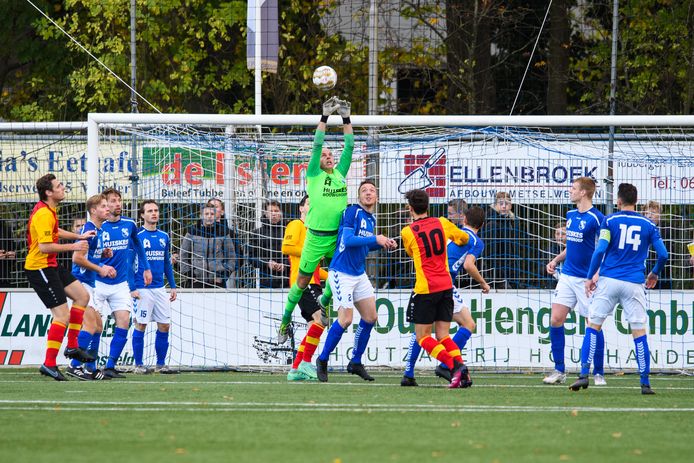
558, 57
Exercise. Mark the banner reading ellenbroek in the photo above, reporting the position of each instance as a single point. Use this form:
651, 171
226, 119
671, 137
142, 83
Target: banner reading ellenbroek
217, 329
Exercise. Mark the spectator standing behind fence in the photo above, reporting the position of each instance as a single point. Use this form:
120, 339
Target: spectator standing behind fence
8, 257
456, 211
506, 245
266, 248
653, 211
229, 228
207, 253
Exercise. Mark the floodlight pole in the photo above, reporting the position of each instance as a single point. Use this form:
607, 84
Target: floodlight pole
258, 56
609, 181
258, 108
134, 177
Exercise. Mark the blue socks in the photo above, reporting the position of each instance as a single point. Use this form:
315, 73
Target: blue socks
461, 337
361, 339
83, 340
334, 335
161, 346
643, 359
120, 337
590, 341
599, 365
413, 351
558, 340
94, 350
138, 346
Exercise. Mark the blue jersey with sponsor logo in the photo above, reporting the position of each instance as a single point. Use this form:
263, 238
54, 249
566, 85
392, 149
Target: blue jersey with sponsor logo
121, 236
629, 235
355, 238
82, 274
457, 253
582, 230
157, 246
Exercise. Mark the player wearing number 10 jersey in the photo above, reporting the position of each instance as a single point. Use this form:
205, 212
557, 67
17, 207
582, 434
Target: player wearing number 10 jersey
621, 255
432, 300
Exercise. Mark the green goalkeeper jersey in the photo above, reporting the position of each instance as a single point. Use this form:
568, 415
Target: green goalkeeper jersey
327, 192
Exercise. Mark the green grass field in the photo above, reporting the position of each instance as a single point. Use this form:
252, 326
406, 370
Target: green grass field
240, 417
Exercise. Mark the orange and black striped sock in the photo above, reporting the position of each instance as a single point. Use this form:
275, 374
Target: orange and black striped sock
452, 349
312, 339
55, 338
436, 350
299, 354
73, 329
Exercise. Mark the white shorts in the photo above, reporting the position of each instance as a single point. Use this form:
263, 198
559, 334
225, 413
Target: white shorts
571, 292
458, 303
110, 298
632, 296
153, 305
348, 289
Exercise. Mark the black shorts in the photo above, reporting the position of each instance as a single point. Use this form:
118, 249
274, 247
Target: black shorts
309, 302
425, 309
49, 284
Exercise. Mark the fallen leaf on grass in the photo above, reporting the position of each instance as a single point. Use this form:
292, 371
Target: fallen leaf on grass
616, 435
455, 424
180, 451
564, 458
574, 412
637, 452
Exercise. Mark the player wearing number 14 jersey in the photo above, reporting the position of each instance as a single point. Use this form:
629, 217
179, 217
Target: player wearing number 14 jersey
621, 256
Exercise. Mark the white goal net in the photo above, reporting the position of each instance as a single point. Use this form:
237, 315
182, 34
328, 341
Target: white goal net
230, 304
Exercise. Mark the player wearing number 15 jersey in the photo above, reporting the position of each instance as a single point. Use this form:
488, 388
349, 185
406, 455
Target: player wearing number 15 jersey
432, 300
621, 255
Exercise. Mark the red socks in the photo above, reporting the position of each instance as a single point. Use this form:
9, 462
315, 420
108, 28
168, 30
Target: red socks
55, 338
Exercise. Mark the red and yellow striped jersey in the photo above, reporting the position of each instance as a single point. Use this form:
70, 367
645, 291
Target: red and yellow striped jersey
42, 228
292, 244
425, 241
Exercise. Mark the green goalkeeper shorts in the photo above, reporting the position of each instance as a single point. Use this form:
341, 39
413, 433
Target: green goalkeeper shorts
316, 247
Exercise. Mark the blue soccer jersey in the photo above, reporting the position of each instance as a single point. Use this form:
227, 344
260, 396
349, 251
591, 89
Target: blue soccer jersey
355, 239
120, 236
457, 253
157, 246
582, 230
82, 274
625, 238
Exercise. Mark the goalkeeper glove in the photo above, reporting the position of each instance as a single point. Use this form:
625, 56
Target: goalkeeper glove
330, 106
345, 108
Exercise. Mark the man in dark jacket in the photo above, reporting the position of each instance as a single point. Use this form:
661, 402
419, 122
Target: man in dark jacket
266, 248
207, 252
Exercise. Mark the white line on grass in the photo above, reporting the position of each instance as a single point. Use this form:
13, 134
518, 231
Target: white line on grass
353, 384
45, 405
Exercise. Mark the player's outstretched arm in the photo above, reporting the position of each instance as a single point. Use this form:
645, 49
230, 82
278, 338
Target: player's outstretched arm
68, 235
470, 266
330, 106
345, 111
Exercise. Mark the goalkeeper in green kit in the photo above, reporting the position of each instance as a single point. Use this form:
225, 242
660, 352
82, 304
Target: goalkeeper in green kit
327, 189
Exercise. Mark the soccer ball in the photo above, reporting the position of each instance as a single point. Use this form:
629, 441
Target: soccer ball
324, 77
